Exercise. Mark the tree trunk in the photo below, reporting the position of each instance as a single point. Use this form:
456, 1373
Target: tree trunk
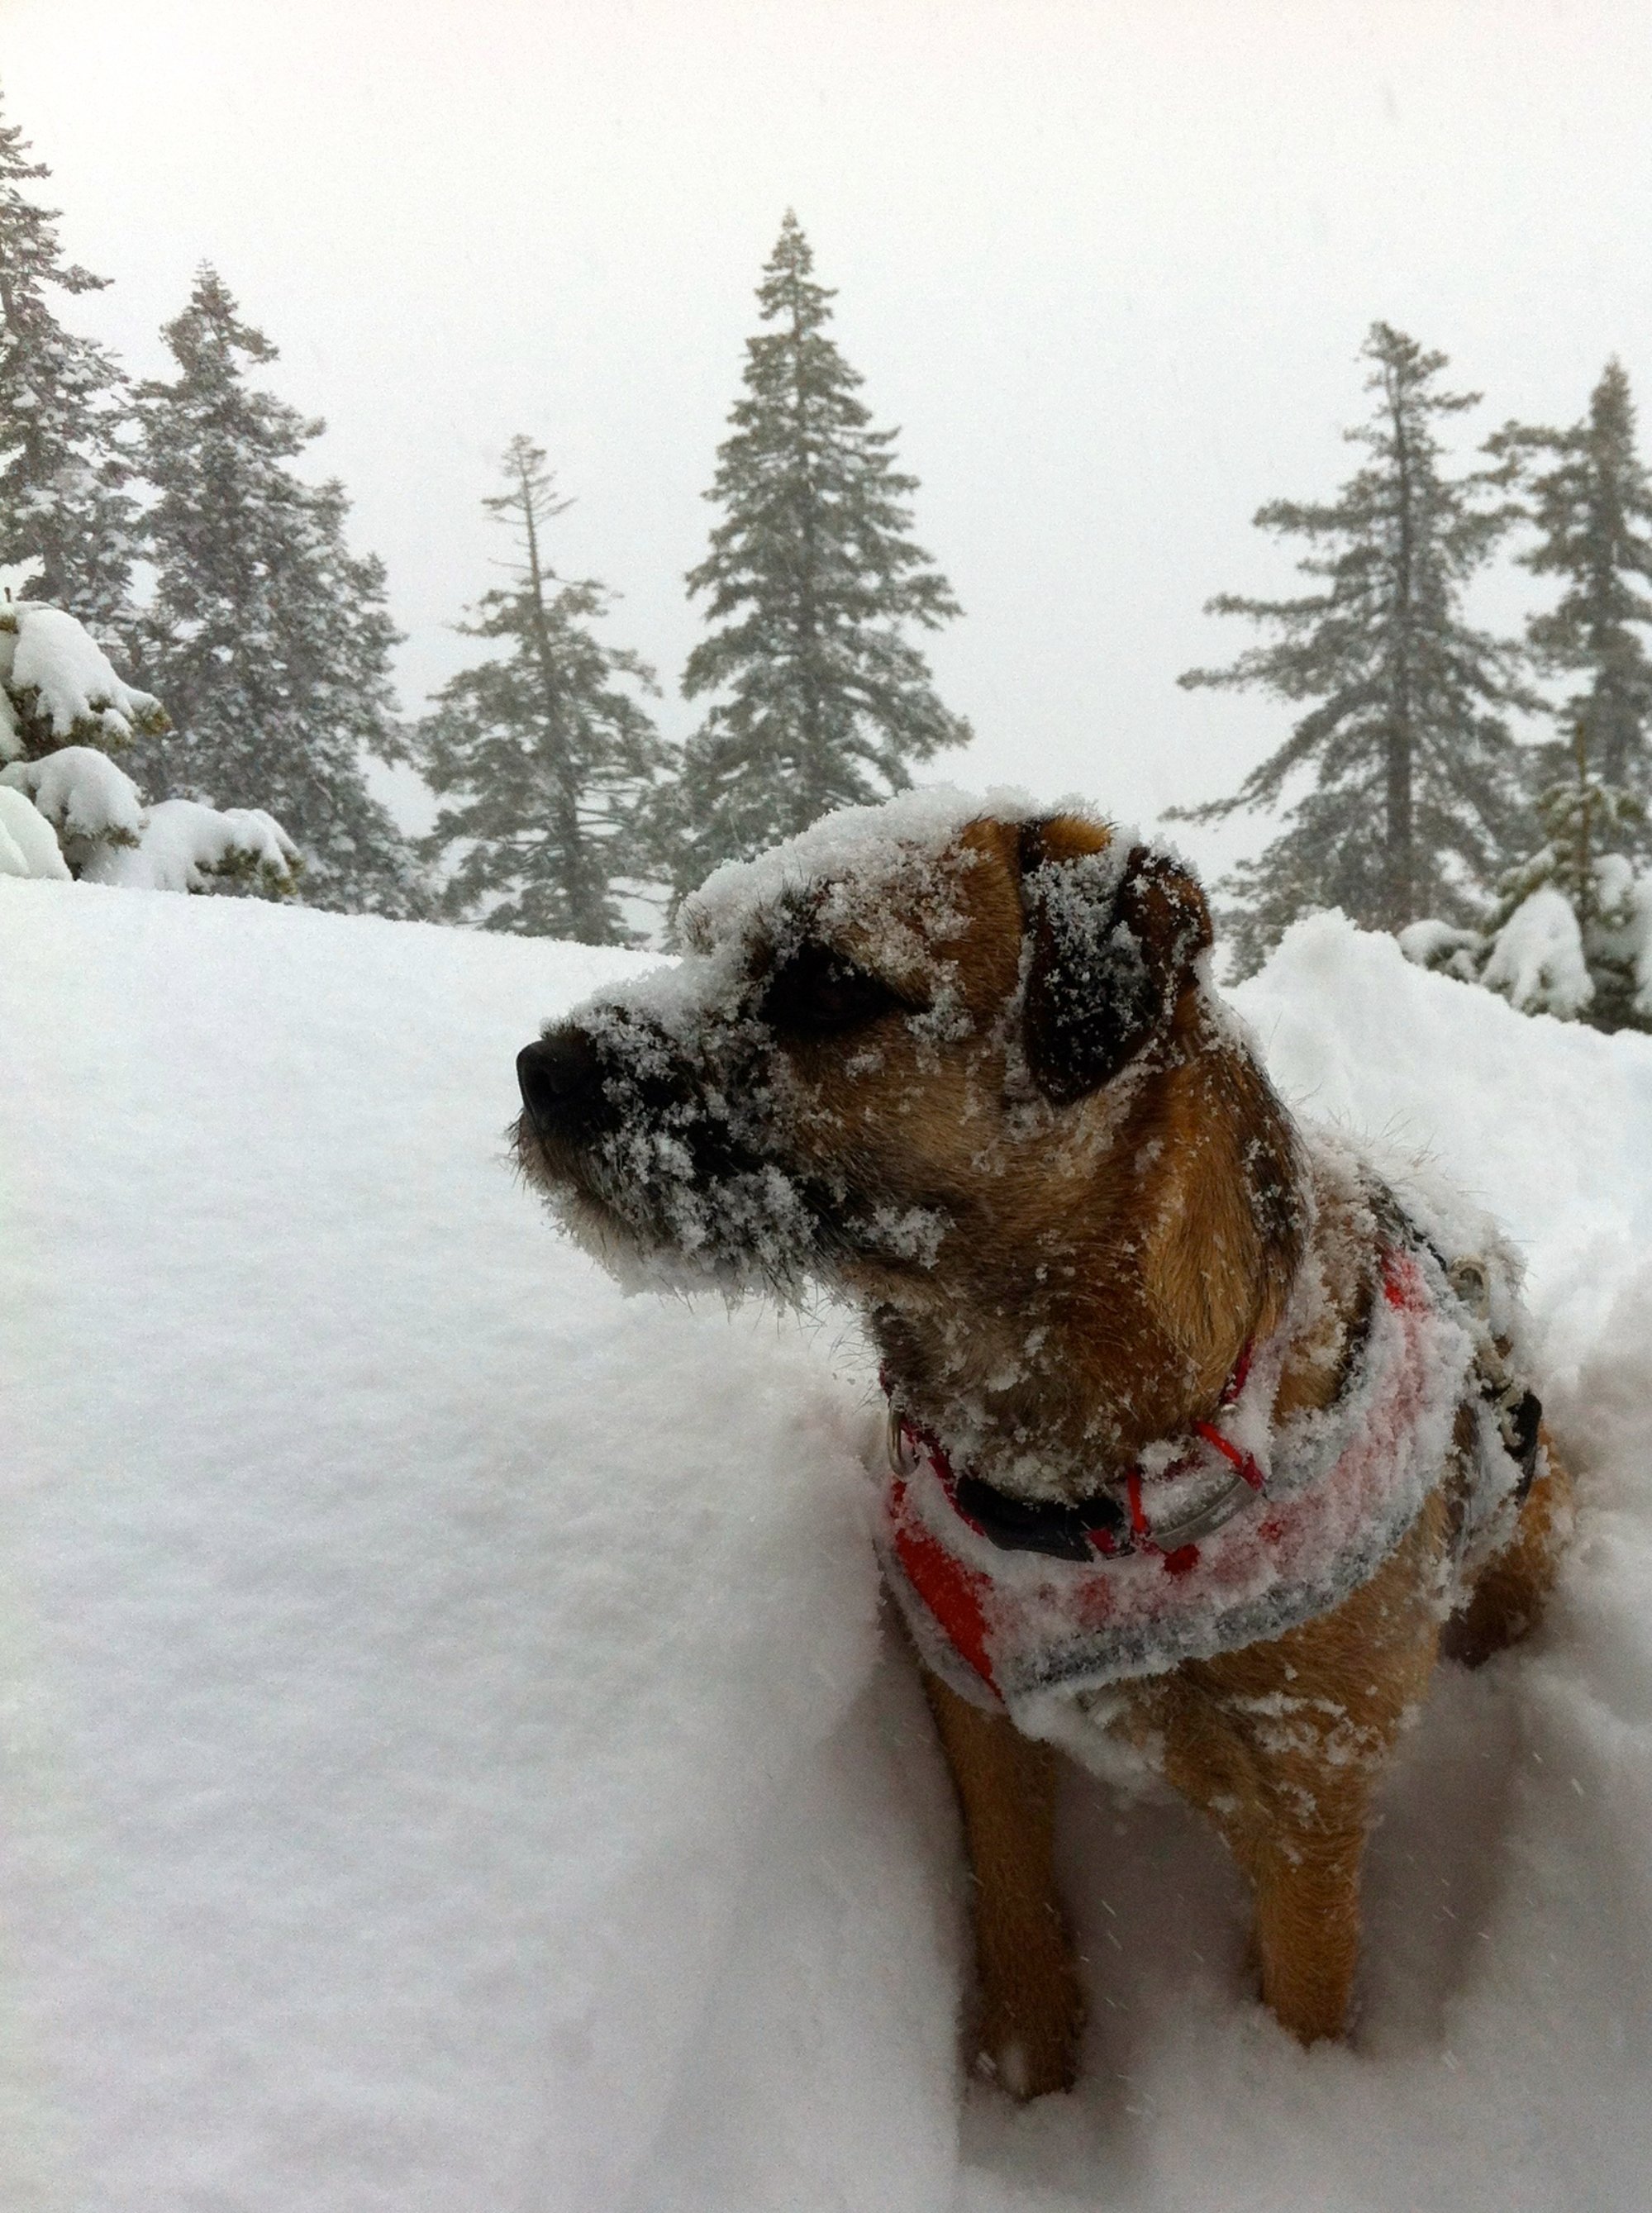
1585, 899
585, 901
811, 798
1400, 843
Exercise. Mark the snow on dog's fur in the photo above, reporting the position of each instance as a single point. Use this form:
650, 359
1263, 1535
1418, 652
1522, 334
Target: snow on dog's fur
965, 1063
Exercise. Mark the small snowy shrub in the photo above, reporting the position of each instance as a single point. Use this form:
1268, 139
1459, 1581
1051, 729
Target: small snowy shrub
1444, 947
56, 686
1546, 957
1536, 960
66, 809
186, 847
88, 802
27, 847
1573, 935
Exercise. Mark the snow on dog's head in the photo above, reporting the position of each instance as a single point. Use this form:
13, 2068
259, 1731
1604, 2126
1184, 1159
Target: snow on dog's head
885, 1032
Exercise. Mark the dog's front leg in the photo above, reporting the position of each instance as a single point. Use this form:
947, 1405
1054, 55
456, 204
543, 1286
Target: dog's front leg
1031, 2011
1307, 1889
1283, 1743
1293, 1809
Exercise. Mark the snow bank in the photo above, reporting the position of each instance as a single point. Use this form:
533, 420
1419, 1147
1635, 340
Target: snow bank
452, 1757
1543, 1122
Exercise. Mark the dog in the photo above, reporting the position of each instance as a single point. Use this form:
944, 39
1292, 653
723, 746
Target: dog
1206, 1438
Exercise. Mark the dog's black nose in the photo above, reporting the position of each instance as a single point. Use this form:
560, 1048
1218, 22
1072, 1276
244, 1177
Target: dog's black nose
561, 1081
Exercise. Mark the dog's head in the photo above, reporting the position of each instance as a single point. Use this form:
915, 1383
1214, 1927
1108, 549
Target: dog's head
916, 1047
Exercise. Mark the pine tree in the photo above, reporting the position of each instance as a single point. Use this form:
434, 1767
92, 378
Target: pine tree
1415, 773
63, 404
1589, 827
1592, 510
554, 761
1585, 820
1571, 935
270, 641
811, 581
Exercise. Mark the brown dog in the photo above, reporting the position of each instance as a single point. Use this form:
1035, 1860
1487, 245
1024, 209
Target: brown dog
1202, 1435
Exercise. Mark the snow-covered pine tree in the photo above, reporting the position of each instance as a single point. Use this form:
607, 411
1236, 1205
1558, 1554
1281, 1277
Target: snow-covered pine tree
62, 406
1416, 775
552, 760
58, 687
270, 641
1572, 933
66, 809
819, 699
1588, 824
1592, 509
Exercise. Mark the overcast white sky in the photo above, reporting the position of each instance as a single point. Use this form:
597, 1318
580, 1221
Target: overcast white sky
1108, 266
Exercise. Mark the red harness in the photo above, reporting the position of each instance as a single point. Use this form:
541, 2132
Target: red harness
1286, 1541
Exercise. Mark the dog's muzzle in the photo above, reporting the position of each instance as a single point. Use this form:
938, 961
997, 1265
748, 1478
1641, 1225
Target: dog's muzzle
561, 1079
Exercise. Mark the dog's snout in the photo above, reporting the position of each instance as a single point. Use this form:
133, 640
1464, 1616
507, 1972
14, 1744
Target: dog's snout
561, 1081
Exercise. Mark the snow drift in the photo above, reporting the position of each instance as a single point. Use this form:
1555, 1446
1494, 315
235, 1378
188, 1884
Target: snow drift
452, 1755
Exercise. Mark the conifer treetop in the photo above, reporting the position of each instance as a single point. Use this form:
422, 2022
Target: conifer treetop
63, 469
206, 335
1588, 497
801, 435
817, 697
31, 258
268, 639
210, 397
549, 762
1404, 725
530, 496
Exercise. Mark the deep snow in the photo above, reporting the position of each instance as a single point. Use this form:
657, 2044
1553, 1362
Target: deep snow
450, 1755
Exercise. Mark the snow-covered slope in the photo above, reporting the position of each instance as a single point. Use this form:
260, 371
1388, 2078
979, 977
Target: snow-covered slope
449, 1755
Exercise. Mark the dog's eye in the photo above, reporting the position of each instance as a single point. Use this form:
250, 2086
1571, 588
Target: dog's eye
817, 991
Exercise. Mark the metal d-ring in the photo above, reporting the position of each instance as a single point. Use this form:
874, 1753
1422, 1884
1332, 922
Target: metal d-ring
1219, 1508
903, 1456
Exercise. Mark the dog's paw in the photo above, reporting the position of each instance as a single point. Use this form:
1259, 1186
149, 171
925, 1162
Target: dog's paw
1031, 2050
1025, 2075
1028, 2068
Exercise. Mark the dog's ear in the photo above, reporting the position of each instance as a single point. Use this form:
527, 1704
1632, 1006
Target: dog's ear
1113, 933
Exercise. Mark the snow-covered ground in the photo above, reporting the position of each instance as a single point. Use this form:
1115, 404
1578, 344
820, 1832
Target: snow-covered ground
449, 1753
